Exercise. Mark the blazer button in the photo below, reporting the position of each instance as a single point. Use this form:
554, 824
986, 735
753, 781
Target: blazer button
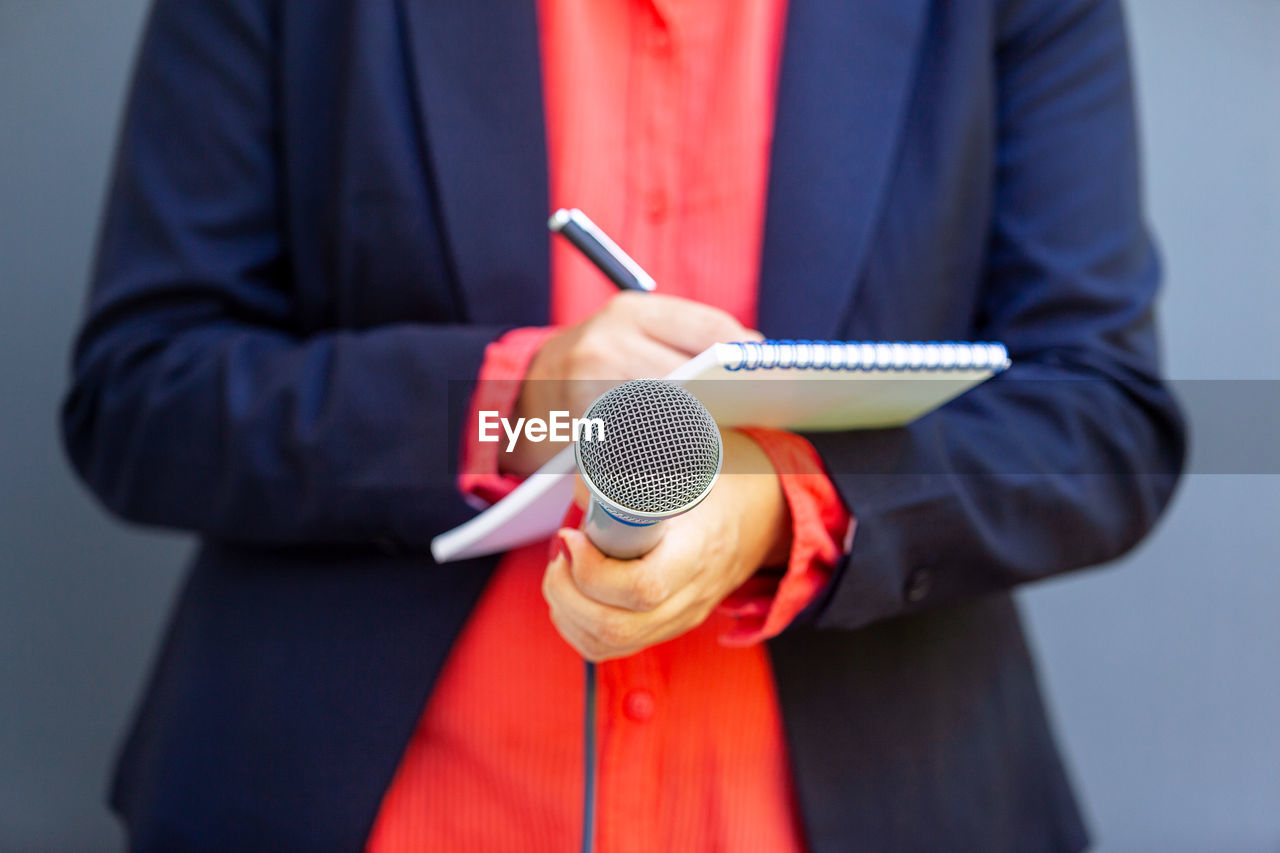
918, 585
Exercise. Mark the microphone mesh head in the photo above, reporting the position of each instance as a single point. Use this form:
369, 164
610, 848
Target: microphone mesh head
661, 449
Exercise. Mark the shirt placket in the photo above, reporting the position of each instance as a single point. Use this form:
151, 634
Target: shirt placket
632, 693
655, 107
631, 721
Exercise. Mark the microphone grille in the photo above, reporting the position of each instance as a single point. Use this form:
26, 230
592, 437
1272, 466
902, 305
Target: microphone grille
661, 449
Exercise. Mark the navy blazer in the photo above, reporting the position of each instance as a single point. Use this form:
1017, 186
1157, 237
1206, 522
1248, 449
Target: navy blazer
323, 210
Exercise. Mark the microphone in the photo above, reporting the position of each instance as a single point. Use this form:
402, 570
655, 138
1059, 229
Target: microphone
660, 455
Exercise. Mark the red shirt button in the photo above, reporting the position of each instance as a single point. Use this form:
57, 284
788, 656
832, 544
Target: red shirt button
639, 705
656, 205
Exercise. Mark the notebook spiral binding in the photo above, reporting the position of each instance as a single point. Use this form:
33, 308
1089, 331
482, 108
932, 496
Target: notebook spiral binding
931, 356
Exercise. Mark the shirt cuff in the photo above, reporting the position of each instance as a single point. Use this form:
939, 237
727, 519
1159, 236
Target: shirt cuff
506, 362
821, 532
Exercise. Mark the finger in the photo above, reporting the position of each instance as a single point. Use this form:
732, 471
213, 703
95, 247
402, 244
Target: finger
617, 628
612, 630
641, 356
605, 361
685, 325
652, 357
582, 642
637, 585
626, 354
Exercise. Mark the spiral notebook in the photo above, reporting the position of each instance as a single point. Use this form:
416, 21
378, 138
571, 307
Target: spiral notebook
820, 385
802, 385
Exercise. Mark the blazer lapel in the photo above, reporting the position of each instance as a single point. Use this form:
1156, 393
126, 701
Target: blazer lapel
842, 96
477, 71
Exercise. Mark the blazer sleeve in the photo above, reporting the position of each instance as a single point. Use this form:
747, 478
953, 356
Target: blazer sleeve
196, 400
1067, 459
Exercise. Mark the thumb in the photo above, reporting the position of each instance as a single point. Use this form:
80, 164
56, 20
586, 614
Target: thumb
573, 545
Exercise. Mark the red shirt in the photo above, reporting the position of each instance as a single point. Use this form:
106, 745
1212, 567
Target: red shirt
659, 121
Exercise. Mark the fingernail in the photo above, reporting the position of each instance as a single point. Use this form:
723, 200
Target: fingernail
559, 549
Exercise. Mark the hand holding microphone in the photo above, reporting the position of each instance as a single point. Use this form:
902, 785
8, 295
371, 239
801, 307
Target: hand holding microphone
607, 607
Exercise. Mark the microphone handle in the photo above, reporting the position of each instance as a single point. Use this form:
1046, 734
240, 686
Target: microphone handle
621, 540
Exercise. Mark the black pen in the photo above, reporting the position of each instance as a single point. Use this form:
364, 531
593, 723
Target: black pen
616, 264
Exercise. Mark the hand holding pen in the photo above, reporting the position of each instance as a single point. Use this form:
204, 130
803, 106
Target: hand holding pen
636, 334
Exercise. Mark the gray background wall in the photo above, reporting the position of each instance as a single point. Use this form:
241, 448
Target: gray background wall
1163, 672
